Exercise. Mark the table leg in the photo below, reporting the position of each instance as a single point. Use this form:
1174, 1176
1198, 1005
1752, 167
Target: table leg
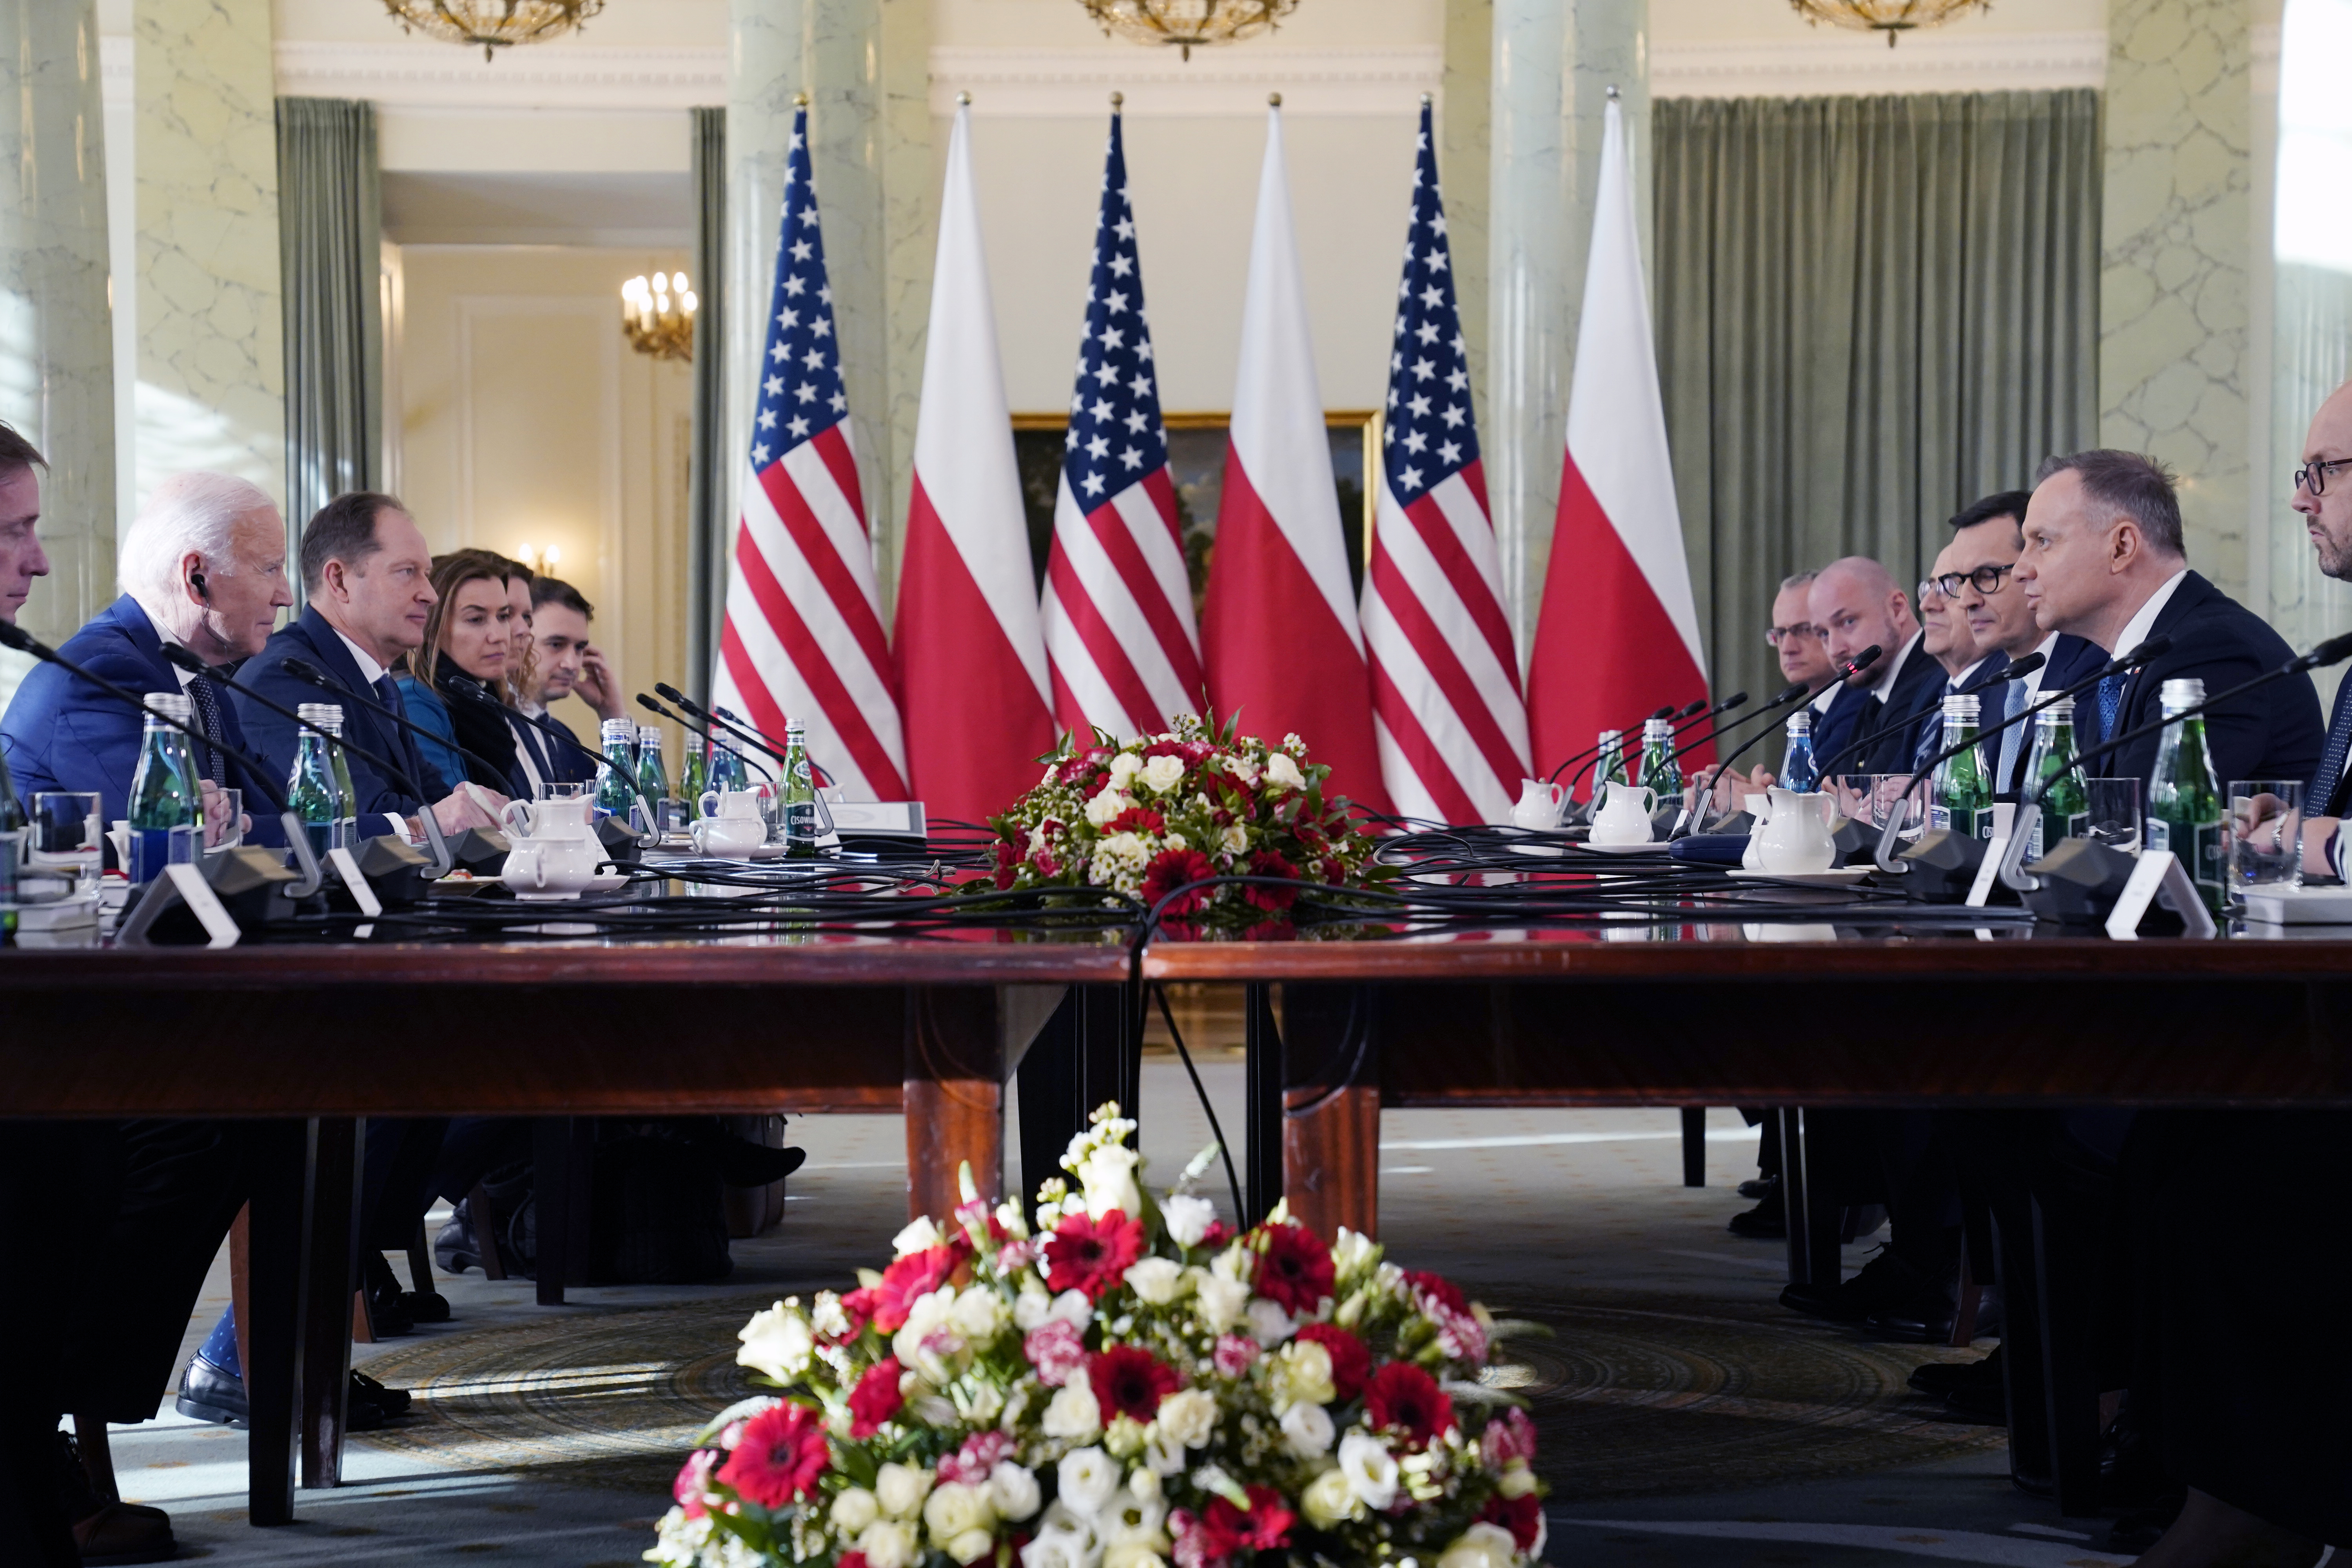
1262, 1103
1331, 1108
273, 1318
563, 1157
1693, 1145
330, 1268
1814, 1251
953, 1096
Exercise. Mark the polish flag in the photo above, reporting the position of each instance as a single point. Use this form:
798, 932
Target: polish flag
971, 656
1618, 637
1279, 638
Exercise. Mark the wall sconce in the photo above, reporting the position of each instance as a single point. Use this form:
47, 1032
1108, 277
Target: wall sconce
658, 315
541, 561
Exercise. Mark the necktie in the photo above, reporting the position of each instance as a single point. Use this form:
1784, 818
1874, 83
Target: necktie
1931, 735
397, 743
529, 736
208, 719
2322, 798
2012, 737
2111, 699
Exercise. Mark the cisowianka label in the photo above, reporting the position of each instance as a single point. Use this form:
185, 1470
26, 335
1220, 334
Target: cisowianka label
2204, 856
2075, 827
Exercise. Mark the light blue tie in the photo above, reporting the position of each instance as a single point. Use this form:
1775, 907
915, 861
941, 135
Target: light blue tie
2013, 738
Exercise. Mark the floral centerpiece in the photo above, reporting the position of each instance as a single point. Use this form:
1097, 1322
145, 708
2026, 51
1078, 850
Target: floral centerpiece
1130, 1385
1150, 815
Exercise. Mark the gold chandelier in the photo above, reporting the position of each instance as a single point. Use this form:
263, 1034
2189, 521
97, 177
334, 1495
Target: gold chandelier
1892, 17
493, 24
658, 315
1185, 22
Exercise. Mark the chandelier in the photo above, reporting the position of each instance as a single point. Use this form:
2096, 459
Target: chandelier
1892, 17
1185, 22
493, 24
658, 315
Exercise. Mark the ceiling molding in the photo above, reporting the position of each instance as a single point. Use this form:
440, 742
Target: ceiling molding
1074, 84
1838, 65
414, 74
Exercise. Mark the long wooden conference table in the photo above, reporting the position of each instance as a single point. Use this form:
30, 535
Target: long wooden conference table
311, 1038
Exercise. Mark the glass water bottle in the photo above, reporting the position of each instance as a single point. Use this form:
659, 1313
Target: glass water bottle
163, 790
1963, 791
2066, 799
614, 794
2184, 802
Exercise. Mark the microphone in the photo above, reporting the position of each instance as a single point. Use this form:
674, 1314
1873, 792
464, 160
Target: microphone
442, 860
692, 728
2017, 671
653, 807
298, 838
303, 669
1594, 750
1847, 671
1795, 691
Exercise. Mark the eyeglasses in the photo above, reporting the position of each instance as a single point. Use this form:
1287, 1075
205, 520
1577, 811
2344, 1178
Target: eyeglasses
1984, 579
2313, 475
1931, 589
1776, 636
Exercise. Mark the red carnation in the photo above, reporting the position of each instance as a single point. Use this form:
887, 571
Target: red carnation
1130, 1381
1446, 1293
1351, 1359
852, 1559
1293, 1268
1264, 1527
904, 1282
1008, 864
1522, 1516
1404, 1398
876, 1398
693, 1482
779, 1456
1509, 1436
1172, 870
973, 1463
1092, 1254
1055, 1350
1267, 863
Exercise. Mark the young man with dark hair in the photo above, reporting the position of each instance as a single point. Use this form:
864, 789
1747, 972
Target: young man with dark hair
566, 664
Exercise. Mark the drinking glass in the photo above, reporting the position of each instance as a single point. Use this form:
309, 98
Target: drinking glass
63, 839
558, 789
2258, 857
2114, 813
1872, 799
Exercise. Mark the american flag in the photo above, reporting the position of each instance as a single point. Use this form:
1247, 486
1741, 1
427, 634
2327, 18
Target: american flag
1450, 723
1117, 606
803, 638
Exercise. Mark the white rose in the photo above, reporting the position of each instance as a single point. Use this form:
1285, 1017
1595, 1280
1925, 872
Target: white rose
888, 1544
1188, 1416
970, 1546
1309, 1429
1235, 1262
1371, 1469
1233, 840
1145, 1484
1107, 1175
1086, 1481
1106, 804
979, 1314
1013, 1490
1072, 1308
1301, 1374
956, 1507
1223, 1301
1283, 772
900, 1488
1481, 1546
1058, 1548
1159, 1281
1163, 1453
929, 1314
1188, 1217
1329, 1501
1269, 1324
1073, 1413
853, 1511
920, 1236
1123, 768
1161, 774
777, 1342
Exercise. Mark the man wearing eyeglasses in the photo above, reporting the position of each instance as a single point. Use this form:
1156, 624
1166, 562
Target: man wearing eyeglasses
1975, 570
2323, 494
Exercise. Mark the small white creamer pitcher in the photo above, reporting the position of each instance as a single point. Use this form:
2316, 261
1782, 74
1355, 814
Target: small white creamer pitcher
1540, 805
1625, 814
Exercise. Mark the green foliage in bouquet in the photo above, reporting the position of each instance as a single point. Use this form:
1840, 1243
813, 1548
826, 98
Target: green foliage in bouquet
1131, 1384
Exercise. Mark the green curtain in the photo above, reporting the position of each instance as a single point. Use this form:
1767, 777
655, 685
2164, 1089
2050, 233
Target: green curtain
706, 491
330, 234
1871, 312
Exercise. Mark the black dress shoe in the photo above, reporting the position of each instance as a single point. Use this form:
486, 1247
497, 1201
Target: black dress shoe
1768, 1221
426, 1305
1925, 1319
1887, 1281
208, 1393
743, 1163
1762, 1187
1938, 1379
455, 1248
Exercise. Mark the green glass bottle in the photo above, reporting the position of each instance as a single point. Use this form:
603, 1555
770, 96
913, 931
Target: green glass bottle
727, 768
652, 777
311, 790
2066, 802
1659, 769
347, 802
693, 775
163, 792
796, 797
2184, 802
1963, 798
614, 794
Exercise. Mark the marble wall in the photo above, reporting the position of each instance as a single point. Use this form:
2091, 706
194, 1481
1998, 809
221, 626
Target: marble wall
212, 368
56, 373
2174, 364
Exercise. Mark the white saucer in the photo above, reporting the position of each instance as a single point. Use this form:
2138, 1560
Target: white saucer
1836, 876
1658, 844
603, 882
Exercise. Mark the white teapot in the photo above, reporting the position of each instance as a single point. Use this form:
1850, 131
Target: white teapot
1541, 804
552, 865
1796, 836
1625, 814
556, 817
730, 822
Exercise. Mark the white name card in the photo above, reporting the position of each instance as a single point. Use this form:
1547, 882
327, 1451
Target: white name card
2158, 878
354, 879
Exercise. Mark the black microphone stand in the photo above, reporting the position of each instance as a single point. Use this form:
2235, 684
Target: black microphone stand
1847, 671
653, 807
2016, 671
1681, 717
1668, 712
692, 728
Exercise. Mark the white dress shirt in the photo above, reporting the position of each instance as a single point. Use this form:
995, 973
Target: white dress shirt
1885, 682
2142, 626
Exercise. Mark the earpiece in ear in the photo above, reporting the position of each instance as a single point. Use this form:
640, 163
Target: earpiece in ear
196, 581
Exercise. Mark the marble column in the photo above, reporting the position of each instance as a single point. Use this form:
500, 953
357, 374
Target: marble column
2177, 239
865, 67
1464, 166
211, 360
1553, 67
57, 334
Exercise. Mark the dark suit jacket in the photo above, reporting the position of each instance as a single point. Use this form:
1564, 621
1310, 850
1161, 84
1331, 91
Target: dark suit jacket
311, 638
62, 732
2273, 732
1834, 730
1893, 726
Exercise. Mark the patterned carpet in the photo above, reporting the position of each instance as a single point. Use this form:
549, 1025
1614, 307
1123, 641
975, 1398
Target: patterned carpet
1637, 1394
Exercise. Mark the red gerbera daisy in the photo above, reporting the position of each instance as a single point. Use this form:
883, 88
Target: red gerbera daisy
1351, 1359
779, 1456
914, 1275
1293, 1268
1169, 870
1404, 1398
1445, 1292
876, 1398
1130, 1381
1265, 1526
1137, 819
1092, 1254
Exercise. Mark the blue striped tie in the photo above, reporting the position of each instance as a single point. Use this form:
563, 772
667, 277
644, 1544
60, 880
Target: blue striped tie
2320, 799
2111, 699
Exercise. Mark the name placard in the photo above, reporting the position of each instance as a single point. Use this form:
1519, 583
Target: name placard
355, 880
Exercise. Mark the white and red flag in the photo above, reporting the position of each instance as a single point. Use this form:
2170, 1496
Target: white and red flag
1451, 727
1278, 634
970, 658
1117, 607
803, 637
1619, 633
